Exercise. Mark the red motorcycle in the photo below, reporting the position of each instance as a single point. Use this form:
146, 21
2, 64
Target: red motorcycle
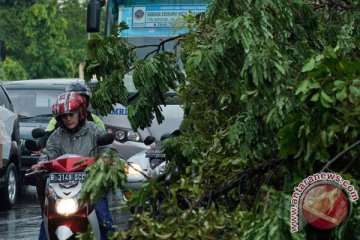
64, 213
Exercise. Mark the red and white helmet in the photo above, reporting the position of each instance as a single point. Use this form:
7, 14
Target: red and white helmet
69, 102
79, 87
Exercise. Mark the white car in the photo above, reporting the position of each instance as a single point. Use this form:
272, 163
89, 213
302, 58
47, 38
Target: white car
129, 142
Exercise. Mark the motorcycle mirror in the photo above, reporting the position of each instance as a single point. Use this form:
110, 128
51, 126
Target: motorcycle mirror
149, 140
165, 136
93, 16
32, 145
105, 139
38, 132
175, 133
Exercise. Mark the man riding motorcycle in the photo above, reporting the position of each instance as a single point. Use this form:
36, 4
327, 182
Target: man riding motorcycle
85, 92
75, 135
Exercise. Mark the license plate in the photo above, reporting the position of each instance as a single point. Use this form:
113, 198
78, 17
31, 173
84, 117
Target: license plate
154, 153
74, 177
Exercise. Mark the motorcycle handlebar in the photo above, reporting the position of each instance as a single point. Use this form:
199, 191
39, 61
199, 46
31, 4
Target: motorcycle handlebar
35, 172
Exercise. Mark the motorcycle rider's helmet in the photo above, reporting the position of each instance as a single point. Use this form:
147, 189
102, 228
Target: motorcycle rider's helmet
69, 102
80, 88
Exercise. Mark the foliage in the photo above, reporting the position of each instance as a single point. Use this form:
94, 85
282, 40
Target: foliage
75, 15
10, 69
146, 72
107, 54
11, 30
39, 23
331, 94
105, 174
46, 39
271, 93
110, 60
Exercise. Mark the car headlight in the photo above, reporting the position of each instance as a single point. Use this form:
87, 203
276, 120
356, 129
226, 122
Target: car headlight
133, 169
66, 206
124, 134
133, 136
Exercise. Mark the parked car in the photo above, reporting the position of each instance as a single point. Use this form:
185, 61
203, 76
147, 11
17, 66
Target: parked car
10, 164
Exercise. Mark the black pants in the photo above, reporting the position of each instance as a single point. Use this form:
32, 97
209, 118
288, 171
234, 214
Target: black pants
40, 189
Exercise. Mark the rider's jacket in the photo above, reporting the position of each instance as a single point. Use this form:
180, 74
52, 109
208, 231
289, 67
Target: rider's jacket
53, 124
63, 141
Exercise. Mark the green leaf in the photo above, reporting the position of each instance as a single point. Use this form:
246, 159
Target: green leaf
163, 236
356, 82
315, 97
354, 90
342, 95
319, 57
324, 103
326, 97
306, 85
288, 140
310, 65
280, 68
323, 135
331, 52
339, 84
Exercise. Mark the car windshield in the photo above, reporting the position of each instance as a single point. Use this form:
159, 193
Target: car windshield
33, 102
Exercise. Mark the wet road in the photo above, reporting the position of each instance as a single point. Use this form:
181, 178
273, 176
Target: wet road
22, 222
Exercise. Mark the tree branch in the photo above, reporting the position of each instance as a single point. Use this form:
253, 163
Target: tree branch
145, 46
326, 167
332, 4
160, 46
337, 3
240, 177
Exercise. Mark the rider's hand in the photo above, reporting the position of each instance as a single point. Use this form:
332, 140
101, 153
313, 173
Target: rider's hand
108, 161
38, 153
36, 167
153, 145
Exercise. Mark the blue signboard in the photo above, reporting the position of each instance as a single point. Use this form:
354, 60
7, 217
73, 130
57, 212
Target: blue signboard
156, 20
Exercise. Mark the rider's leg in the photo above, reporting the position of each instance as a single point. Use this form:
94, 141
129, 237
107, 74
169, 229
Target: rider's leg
40, 189
42, 233
104, 217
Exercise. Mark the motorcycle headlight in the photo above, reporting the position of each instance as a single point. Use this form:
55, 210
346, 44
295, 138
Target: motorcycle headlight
66, 206
133, 169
